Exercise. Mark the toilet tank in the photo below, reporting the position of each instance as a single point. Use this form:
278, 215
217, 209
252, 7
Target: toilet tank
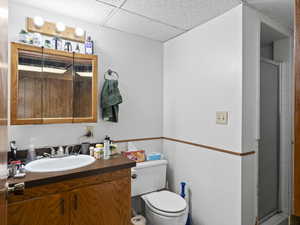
148, 176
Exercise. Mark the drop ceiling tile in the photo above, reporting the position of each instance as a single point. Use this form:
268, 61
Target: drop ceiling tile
112, 2
279, 10
184, 14
88, 10
134, 24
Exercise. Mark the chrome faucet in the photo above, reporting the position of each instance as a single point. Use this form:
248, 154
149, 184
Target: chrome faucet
13, 150
67, 151
58, 153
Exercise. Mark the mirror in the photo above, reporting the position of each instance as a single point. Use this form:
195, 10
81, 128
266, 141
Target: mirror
50, 86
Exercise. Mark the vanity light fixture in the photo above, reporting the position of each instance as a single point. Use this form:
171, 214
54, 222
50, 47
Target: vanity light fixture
38, 21
79, 32
60, 27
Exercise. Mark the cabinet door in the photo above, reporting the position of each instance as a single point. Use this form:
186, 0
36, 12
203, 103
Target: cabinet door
104, 204
49, 210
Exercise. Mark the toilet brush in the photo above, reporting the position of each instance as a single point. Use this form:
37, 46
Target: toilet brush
183, 195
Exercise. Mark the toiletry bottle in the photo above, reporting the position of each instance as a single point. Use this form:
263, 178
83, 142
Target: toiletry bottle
91, 151
77, 50
89, 46
106, 148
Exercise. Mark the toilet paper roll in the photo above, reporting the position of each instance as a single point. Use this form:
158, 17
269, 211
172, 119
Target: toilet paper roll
138, 220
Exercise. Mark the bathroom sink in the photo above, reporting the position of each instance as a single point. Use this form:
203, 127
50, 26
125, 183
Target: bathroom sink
59, 164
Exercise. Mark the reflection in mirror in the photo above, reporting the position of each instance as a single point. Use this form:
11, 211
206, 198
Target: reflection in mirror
29, 85
83, 80
45, 86
57, 87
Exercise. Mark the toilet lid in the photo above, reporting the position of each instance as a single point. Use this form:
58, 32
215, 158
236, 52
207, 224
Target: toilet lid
166, 201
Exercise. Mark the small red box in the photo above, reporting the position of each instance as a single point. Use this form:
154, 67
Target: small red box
138, 156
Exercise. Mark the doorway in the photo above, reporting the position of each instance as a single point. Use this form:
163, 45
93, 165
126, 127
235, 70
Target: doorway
3, 108
274, 156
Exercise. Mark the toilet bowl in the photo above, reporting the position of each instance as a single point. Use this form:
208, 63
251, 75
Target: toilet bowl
165, 208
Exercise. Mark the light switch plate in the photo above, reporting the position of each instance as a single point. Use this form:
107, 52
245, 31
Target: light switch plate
222, 118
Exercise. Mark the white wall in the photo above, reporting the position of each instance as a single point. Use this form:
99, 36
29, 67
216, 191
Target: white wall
139, 64
202, 75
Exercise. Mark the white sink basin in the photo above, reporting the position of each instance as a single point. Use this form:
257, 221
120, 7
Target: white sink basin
59, 164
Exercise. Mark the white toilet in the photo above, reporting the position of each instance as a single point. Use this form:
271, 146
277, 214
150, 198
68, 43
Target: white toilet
162, 207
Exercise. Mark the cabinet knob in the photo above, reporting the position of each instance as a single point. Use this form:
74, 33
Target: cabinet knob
62, 206
75, 202
134, 176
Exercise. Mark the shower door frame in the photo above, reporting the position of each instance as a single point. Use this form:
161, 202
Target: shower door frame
284, 194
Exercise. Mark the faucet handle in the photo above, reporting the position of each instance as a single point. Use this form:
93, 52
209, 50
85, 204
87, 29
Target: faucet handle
45, 154
69, 149
60, 151
67, 152
53, 151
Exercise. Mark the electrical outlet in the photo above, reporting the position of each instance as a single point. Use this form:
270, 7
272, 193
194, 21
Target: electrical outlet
222, 118
89, 131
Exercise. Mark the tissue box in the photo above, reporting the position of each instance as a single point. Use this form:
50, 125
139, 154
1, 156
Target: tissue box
154, 156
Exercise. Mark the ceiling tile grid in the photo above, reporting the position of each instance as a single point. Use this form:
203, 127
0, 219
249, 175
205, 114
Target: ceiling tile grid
114, 3
87, 10
180, 13
134, 24
157, 19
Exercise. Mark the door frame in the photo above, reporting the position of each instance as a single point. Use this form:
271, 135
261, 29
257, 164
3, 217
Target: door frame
285, 170
3, 119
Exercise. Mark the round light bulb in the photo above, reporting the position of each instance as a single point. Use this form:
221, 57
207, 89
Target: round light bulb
79, 32
38, 21
60, 27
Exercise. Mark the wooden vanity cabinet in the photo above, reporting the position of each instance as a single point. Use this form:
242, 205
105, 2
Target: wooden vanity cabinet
51, 86
106, 207
48, 210
95, 200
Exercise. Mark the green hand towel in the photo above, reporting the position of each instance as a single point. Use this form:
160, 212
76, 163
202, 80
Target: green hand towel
110, 100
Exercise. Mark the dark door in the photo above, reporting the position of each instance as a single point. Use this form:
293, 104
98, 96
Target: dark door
3, 109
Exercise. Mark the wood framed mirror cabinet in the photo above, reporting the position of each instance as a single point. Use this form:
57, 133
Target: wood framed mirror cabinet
51, 86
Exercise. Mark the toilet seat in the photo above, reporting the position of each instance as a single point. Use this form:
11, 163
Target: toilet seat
166, 203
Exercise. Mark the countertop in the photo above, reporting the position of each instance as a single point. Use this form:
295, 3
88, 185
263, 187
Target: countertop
99, 166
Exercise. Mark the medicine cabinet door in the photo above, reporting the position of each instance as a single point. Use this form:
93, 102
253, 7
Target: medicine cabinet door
26, 87
85, 82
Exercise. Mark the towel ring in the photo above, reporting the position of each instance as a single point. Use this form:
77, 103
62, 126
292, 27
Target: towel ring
110, 73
